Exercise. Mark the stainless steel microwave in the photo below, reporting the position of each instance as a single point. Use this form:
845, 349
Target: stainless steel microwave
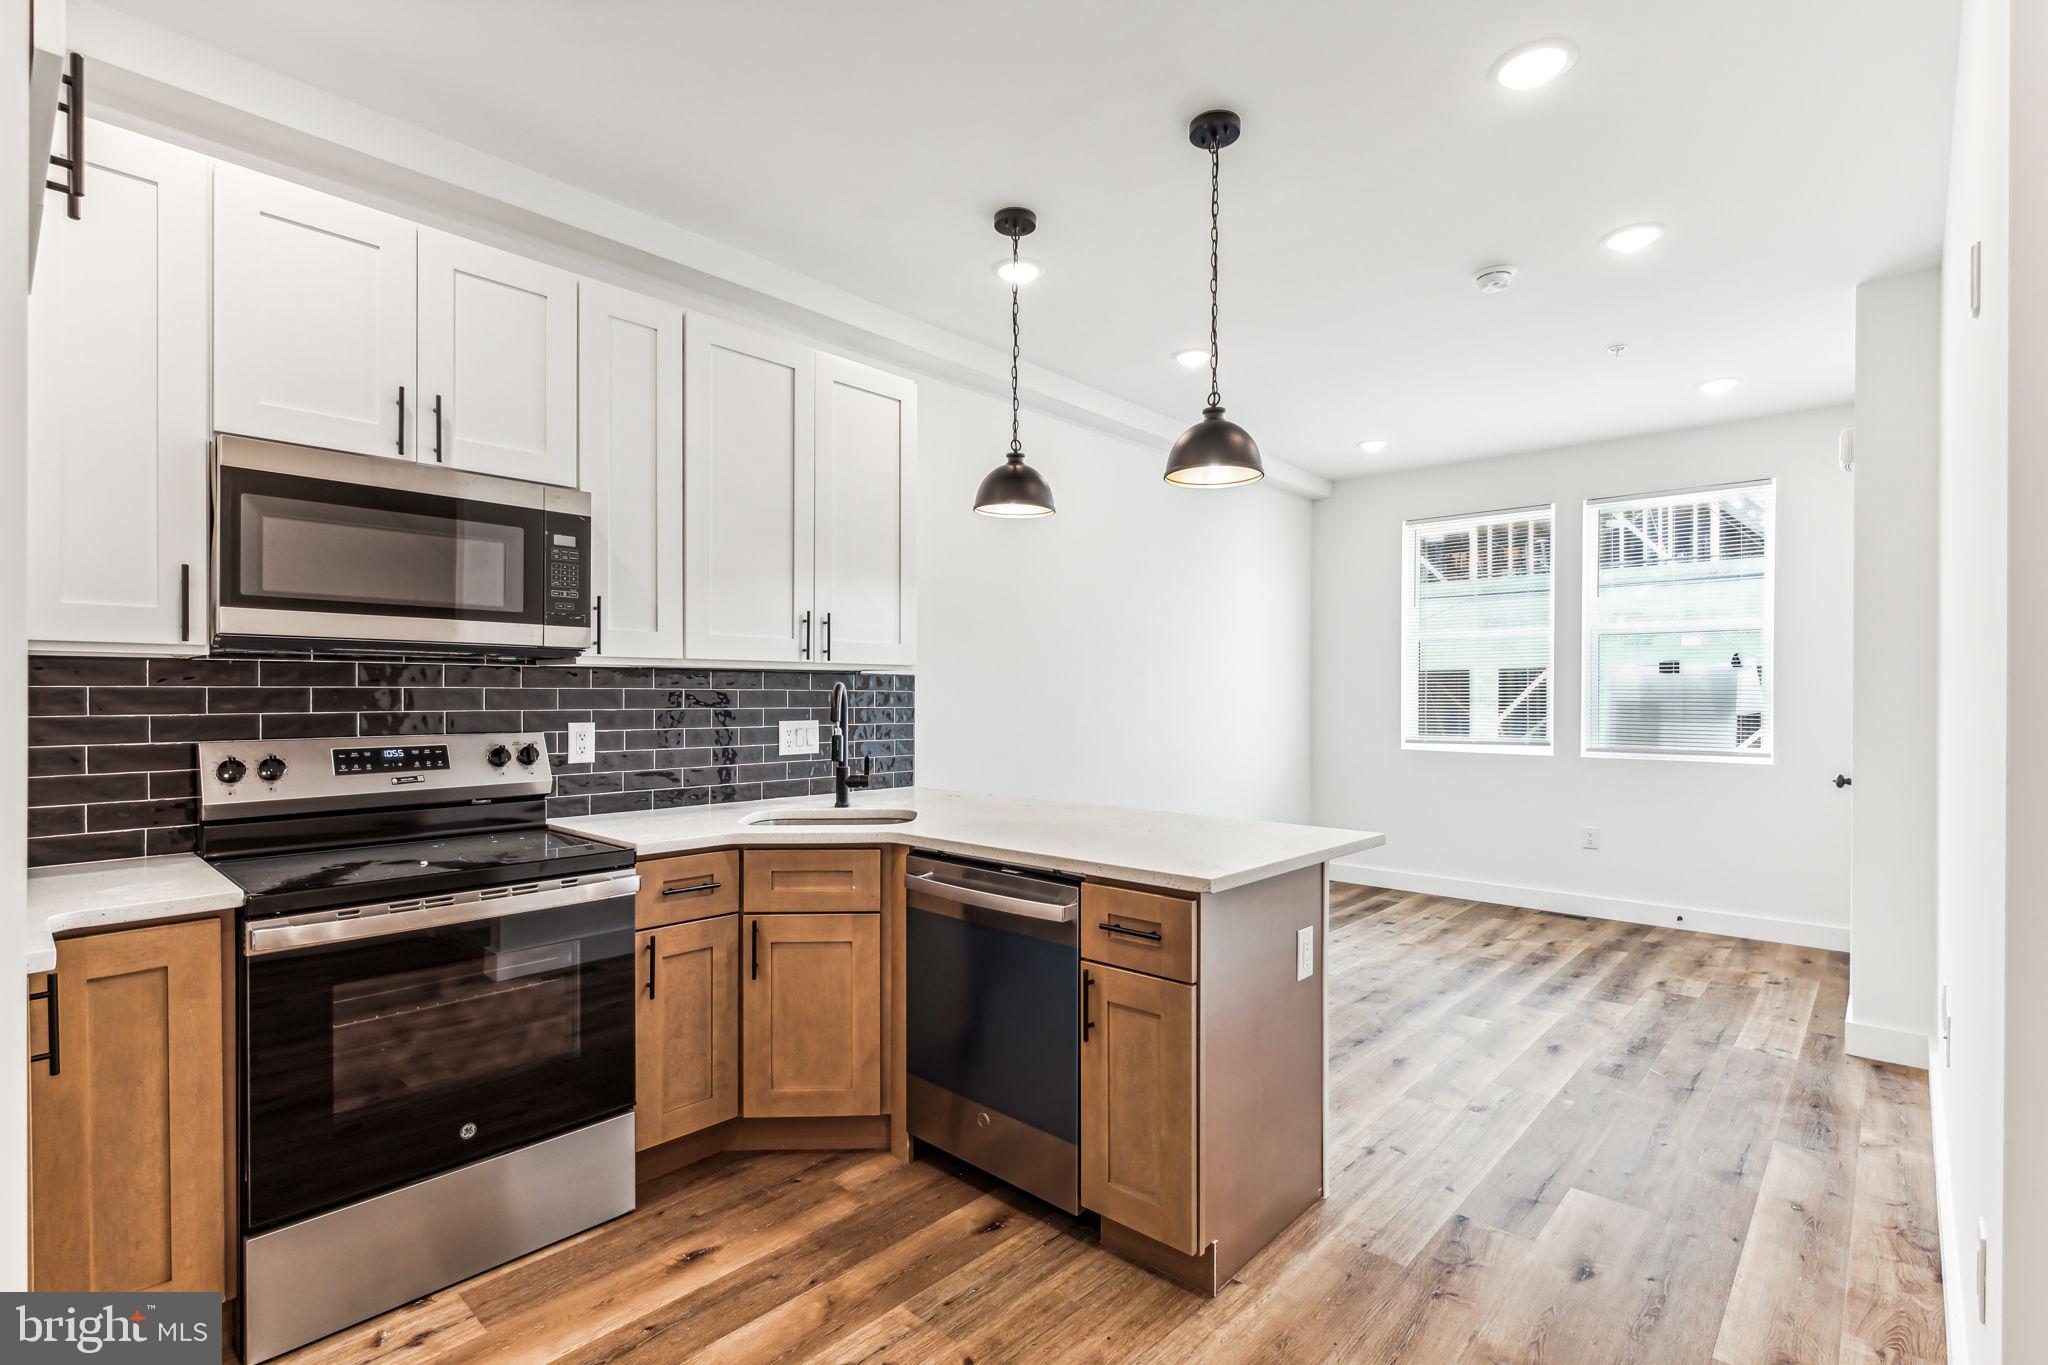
318, 549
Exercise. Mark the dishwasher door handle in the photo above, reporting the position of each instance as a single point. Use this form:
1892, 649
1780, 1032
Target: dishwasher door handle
939, 888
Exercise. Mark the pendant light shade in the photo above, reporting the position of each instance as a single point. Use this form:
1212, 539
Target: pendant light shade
1214, 452
1013, 488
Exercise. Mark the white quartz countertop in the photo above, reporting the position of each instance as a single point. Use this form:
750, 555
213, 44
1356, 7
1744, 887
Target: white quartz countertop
1194, 853
121, 891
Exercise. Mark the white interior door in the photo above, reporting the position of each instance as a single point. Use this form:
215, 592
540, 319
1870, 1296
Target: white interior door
117, 414
630, 418
748, 493
314, 317
498, 353
867, 467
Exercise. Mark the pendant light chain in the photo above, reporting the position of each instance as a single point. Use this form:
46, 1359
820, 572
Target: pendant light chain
1016, 347
1215, 214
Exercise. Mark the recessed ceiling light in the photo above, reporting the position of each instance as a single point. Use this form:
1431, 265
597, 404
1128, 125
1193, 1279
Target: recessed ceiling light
1191, 358
1633, 238
1534, 64
1017, 272
1714, 388
1372, 447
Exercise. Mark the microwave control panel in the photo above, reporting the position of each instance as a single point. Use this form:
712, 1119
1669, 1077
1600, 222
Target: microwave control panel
568, 571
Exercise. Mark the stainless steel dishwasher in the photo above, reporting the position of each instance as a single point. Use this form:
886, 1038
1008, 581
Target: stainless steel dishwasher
993, 986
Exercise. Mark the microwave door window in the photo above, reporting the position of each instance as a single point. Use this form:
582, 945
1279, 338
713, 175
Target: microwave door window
297, 550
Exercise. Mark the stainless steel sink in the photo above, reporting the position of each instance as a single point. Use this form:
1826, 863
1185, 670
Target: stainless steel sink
831, 818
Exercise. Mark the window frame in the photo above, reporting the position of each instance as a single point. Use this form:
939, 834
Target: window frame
1589, 631
1413, 530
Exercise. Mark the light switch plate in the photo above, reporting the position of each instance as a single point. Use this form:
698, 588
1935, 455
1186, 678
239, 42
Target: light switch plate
799, 737
582, 741
1305, 953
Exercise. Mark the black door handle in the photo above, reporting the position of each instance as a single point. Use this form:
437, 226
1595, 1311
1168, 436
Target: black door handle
1087, 1019
1843, 780
401, 419
650, 966
1150, 935
437, 428
49, 995
689, 890
754, 953
184, 601
72, 105
598, 612
826, 626
806, 648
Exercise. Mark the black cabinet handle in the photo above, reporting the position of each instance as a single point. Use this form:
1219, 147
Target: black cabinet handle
597, 611
1843, 780
1149, 935
650, 966
826, 626
72, 163
806, 646
437, 428
1087, 1019
53, 1056
754, 953
184, 601
401, 419
689, 890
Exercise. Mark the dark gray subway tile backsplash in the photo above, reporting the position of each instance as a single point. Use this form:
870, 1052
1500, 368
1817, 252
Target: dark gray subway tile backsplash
113, 772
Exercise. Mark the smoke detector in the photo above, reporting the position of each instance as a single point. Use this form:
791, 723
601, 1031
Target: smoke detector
1494, 278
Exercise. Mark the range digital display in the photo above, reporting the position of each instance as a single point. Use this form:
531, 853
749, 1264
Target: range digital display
391, 758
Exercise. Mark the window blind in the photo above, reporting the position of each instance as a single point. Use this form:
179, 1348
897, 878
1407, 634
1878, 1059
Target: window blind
1476, 612
1678, 623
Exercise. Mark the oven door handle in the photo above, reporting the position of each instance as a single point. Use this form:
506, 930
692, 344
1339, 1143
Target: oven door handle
467, 907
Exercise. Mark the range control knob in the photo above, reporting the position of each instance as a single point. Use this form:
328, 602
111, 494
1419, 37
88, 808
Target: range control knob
529, 754
271, 768
499, 756
231, 770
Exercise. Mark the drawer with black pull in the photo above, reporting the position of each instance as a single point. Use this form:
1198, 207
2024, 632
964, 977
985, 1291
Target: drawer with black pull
1143, 931
687, 886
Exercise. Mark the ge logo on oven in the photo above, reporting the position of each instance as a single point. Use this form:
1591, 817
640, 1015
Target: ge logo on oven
468, 1131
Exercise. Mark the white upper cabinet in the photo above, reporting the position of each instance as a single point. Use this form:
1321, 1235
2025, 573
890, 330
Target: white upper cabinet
116, 480
630, 409
749, 491
867, 463
314, 317
498, 357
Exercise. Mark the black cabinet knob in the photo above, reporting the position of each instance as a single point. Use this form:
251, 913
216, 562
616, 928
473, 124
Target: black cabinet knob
271, 768
499, 756
529, 754
231, 770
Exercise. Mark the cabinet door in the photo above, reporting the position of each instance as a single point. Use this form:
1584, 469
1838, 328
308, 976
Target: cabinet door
1138, 1103
127, 1129
117, 418
689, 1029
498, 350
749, 486
813, 1025
314, 317
630, 455
867, 474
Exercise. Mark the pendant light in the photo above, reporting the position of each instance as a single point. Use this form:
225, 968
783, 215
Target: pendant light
1214, 453
1013, 488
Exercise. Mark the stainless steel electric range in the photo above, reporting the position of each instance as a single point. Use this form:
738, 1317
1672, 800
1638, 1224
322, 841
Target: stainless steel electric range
436, 1016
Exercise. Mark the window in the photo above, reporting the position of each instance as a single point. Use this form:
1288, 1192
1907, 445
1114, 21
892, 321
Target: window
1475, 632
1678, 624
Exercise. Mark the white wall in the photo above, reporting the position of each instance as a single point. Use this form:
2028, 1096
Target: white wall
14, 175
1147, 646
1747, 849
1898, 373
1972, 816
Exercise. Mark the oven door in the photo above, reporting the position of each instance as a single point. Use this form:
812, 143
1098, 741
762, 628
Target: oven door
324, 548
391, 1043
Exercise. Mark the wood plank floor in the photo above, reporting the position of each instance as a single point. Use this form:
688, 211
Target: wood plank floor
1553, 1140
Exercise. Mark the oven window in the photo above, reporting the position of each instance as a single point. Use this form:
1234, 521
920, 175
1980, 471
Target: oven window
376, 1062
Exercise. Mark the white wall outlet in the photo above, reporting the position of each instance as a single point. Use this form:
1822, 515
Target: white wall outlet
1589, 838
799, 737
582, 741
1305, 953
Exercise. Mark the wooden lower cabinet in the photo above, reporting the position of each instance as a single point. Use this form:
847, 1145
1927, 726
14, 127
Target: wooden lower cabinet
127, 1149
688, 1029
812, 986
1138, 1103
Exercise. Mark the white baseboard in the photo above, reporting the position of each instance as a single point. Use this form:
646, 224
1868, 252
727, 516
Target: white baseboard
1766, 928
1883, 1043
1955, 1289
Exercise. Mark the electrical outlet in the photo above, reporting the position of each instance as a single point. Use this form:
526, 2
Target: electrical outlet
582, 741
799, 737
1589, 838
1305, 953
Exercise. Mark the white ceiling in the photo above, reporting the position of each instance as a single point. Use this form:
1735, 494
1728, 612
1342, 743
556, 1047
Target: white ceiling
1794, 149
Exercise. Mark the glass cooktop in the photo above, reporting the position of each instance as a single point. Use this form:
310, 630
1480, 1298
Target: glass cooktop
280, 883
